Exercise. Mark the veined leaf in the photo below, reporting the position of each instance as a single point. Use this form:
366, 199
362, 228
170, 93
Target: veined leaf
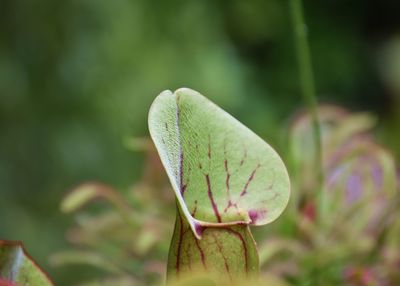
224, 176
337, 125
361, 168
17, 268
229, 251
359, 174
361, 182
222, 173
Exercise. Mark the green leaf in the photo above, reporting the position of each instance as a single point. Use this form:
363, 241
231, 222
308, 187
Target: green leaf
222, 173
17, 268
225, 178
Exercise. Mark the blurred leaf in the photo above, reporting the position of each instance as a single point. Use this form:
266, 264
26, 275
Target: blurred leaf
361, 183
274, 246
88, 192
200, 278
114, 281
84, 257
338, 126
17, 268
139, 144
359, 174
80, 196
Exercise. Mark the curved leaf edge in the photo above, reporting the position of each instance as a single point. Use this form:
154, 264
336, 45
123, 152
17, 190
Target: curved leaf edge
198, 226
19, 244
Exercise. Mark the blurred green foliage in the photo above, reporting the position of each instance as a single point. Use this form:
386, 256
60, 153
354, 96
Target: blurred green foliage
77, 77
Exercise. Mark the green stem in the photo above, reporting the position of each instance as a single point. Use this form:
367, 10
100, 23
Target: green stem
308, 90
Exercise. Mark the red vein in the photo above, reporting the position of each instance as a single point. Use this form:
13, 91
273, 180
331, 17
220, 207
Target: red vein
227, 181
189, 256
244, 157
202, 256
249, 180
231, 204
184, 187
228, 177
245, 251
181, 185
195, 208
241, 161
178, 114
271, 199
210, 195
220, 249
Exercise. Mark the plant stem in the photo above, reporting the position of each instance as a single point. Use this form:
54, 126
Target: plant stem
308, 91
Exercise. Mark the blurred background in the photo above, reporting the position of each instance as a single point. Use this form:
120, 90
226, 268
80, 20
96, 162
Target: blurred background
77, 78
